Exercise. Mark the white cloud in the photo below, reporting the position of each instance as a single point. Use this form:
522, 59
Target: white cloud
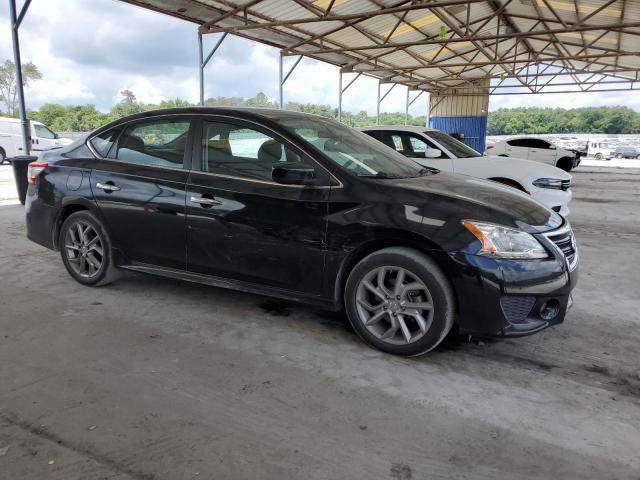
90, 50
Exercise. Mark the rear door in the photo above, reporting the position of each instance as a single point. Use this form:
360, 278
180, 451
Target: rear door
542, 151
140, 188
244, 226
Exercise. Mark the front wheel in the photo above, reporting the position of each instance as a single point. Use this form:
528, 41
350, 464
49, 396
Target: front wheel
618, 155
3, 156
598, 156
86, 250
399, 301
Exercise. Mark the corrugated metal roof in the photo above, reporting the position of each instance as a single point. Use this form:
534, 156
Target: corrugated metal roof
442, 43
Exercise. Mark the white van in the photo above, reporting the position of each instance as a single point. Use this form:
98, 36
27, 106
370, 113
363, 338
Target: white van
42, 138
600, 150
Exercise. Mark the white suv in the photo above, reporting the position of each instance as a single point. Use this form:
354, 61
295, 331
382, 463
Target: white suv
429, 147
537, 149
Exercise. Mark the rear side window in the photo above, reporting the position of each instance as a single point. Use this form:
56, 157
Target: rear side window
161, 143
103, 142
519, 142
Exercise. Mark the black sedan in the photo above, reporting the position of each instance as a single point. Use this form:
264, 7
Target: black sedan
305, 209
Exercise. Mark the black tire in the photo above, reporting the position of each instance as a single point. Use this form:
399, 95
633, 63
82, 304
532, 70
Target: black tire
598, 156
503, 155
107, 272
565, 163
427, 271
3, 156
618, 155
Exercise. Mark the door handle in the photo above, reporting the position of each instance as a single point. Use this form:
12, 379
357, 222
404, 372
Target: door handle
107, 187
206, 201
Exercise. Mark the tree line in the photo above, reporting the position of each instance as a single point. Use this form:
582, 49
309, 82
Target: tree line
512, 121
515, 121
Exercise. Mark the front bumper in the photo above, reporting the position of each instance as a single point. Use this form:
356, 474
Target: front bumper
512, 298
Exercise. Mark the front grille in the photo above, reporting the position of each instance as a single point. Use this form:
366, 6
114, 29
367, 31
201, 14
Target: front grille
566, 184
563, 238
517, 308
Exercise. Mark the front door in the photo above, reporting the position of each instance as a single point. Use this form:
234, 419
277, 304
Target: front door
242, 225
140, 190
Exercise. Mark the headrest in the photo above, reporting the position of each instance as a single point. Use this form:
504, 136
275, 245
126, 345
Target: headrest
270, 152
132, 142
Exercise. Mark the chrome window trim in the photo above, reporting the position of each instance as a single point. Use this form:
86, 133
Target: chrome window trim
223, 116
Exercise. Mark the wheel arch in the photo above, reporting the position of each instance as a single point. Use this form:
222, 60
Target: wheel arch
565, 163
387, 239
510, 182
69, 207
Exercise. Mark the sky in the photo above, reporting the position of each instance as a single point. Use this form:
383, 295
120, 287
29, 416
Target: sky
89, 50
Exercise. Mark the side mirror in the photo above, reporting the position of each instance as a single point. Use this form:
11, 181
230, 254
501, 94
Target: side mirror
56, 136
293, 173
432, 153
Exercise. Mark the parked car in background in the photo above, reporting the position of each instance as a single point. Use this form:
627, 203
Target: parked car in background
304, 208
42, 138
625, 152
549, 185
600, 150
536, 149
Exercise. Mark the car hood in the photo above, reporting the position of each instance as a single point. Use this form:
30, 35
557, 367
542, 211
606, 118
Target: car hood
450, 197
521, 167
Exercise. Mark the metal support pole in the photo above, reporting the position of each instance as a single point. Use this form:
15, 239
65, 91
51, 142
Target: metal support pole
339, 95
26, 136
378, 107
204, 61
342, 90
201, 69
280, 84
286, 77
406, 109
380, 99
409, 103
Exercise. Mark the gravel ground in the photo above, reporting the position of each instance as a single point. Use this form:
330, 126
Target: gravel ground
154, 379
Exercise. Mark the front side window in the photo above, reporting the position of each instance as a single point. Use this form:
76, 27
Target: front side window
351, 150
160, 142
237, 151
43, 132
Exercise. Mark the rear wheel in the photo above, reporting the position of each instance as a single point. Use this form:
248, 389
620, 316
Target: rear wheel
618, 155
399, 301
3, 156
86, 250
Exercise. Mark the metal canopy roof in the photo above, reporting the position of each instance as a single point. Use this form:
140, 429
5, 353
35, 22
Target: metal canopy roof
443, 46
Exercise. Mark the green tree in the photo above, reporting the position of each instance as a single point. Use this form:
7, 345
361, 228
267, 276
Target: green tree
9, 85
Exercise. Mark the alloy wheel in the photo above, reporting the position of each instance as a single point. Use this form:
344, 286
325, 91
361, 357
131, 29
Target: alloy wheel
394, 305
84, 249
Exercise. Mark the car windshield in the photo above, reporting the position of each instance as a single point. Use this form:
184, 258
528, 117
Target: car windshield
350, 149
456, 147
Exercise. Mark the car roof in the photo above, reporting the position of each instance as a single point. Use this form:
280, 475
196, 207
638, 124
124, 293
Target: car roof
241, 112
401, 128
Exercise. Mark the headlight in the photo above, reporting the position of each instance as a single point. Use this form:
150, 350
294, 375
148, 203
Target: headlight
548, 183
505, 242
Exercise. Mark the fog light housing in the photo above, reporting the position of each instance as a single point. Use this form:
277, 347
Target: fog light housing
550, 310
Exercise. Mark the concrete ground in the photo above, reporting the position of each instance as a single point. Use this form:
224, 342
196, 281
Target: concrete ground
154, 379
